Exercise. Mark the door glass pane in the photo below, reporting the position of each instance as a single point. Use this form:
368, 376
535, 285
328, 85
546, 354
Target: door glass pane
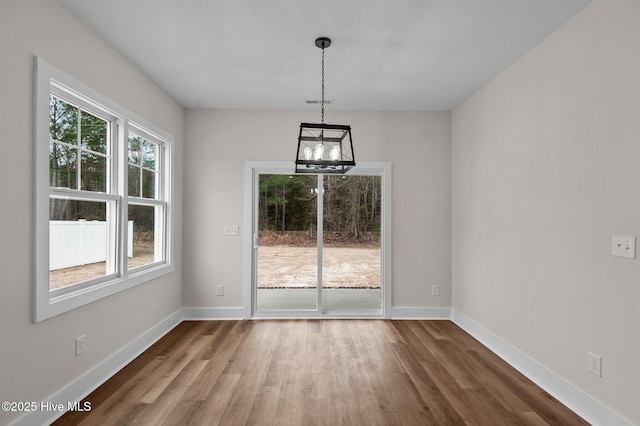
351, 242
286, 270
78, 241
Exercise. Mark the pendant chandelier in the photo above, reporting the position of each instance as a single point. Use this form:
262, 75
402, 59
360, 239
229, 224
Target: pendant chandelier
324, 148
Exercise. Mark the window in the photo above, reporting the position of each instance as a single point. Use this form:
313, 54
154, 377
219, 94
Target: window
145, 207
102, 196
82, 205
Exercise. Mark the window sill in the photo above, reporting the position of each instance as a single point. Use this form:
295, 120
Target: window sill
48, 307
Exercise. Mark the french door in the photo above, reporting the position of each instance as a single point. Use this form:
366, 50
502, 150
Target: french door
318, 244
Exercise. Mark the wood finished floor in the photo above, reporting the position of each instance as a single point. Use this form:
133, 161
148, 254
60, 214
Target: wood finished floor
320, 372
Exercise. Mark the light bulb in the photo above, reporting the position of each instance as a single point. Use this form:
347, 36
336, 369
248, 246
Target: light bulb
335, 153
319, 152
308, 152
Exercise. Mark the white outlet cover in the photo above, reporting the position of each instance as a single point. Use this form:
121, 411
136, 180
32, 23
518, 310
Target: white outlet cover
80, 345
594, 364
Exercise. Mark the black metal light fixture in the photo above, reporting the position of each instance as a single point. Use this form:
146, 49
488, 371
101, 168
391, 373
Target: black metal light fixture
324, 148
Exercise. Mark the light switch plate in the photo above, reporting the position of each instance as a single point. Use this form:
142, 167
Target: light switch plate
623, 246
231, 230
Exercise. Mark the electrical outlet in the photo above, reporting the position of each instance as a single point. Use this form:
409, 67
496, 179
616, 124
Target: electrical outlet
219, 290
435, 290
231, 230
80, 345
595, 364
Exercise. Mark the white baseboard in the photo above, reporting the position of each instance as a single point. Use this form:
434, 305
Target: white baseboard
91, 380
579, 402
238, 313
420, 313
213, 313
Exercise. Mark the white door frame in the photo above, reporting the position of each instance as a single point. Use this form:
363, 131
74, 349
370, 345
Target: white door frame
251, 171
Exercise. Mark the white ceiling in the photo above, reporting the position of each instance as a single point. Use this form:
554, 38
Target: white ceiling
408, 55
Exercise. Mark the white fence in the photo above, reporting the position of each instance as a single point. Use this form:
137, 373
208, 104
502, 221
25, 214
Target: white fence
74, 243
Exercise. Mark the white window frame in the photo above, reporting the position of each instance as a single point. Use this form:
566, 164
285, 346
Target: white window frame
160, 251
47, 303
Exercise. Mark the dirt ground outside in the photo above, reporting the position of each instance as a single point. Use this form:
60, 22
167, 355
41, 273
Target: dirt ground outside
287, 261
295, 267
64, 277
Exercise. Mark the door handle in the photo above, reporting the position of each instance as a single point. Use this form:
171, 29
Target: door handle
255, 241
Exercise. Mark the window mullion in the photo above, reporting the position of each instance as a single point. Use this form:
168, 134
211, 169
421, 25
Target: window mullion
145, 202
123, 193
79, 152
141, 193
112, 152
160, 170
157, 174
114, 265
72, 194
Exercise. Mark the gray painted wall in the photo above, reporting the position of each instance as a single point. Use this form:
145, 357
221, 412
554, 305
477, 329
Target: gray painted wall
36, 360
545, 169
219, 143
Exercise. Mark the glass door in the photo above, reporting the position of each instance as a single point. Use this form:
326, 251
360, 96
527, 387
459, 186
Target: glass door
317, 245
287, 243
351, 243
